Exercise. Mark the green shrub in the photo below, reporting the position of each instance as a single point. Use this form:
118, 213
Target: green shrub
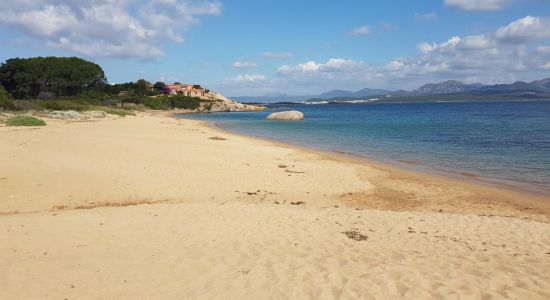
6, 104
24, 121
160, 103
23, 105
117, 111
66, 104
111, 102
184, 102
132, 99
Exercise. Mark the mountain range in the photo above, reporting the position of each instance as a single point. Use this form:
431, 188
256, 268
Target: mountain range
456, 89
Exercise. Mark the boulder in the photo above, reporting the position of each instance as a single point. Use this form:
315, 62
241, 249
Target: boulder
291, 115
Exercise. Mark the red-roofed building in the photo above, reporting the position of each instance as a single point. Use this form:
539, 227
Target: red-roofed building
184, 89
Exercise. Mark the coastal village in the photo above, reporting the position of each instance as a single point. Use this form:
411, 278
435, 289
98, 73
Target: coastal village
190, 90
218, 102
210, 101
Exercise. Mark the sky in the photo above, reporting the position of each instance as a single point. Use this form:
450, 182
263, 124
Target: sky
294, 47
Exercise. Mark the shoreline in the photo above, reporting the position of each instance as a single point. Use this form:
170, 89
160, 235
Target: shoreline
421, 171
510, 171
158, 207
386, 184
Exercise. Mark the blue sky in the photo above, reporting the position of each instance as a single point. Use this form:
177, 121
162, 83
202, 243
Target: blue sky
292, 47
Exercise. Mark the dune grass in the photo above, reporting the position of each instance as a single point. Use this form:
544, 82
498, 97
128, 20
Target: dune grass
24, 121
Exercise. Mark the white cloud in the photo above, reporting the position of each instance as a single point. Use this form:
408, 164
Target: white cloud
426, 47
248, 78
309, 66
494, 57
477, 42
277, 55
363, 30
106, 28
332, 66
478, 4
322, 76
426, 17
489, 58
524, 30
239, 64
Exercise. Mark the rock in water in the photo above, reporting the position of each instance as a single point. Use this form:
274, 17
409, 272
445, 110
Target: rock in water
291, 115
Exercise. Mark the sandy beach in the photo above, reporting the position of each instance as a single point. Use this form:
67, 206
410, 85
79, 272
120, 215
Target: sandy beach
153, 207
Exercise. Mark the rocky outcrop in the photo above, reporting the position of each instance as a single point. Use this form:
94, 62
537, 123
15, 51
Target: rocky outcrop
219, 103
213, 102
291, 115
64, 115
74, 115
226, 106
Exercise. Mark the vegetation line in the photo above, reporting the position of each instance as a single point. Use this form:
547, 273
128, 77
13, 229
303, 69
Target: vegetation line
71, 83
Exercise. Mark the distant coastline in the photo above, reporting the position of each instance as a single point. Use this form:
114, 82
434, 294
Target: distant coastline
450, 90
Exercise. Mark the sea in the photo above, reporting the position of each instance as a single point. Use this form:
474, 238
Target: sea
500, 142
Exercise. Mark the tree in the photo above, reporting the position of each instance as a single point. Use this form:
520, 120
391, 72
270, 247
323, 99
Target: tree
159, 86
4, 94
141, 87
5, 100
62, 76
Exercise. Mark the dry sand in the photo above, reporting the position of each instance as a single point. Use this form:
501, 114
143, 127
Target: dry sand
154, 207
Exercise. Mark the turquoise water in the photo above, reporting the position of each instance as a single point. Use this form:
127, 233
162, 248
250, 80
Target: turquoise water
504, 142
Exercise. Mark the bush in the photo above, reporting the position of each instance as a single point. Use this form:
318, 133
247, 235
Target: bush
24, 121
184, 102
132, 99
6, 104
111, 102
66, 104
23, 105
157, 103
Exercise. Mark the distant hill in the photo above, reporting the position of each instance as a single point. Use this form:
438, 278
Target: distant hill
544, 83
517, 88
450, 89
445, 87
272, 98
366, 92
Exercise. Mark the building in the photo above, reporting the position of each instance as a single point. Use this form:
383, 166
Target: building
191, 90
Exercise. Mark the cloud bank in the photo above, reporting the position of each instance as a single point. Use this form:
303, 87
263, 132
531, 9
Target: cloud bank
106, 28
487, 5
518, 50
